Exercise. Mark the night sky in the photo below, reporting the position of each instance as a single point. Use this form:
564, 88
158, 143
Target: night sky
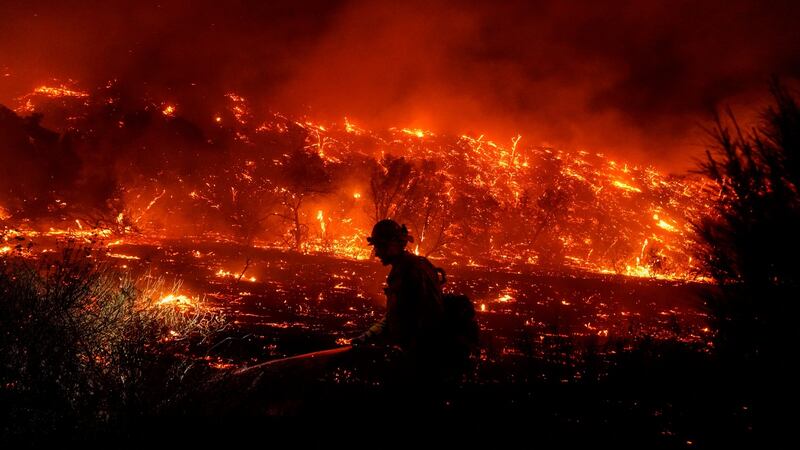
635, 79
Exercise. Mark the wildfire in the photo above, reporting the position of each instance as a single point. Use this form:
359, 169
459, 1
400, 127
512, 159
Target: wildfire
661, 223
177, 300
580, 204
416, 132
81, 232
321, 220
350, 128
226, 274
238, 108
123, 256
59, 91
506, 296
626, 187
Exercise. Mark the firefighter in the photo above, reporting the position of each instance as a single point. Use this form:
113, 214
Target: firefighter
414, 310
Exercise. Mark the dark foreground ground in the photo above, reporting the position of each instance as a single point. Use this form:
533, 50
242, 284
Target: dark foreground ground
565, 357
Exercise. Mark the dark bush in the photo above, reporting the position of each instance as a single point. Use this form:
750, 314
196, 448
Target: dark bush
750, 245
83, 347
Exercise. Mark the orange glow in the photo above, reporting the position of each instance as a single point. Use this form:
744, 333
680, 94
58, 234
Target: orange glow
177, 301
123, 256
582, 190
226, 274
350, 128
60, 91
667, 226
321, 220
416, 132
625, 186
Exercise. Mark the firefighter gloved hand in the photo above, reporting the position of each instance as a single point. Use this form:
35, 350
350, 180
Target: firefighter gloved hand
358, 340
362, 339
371, 335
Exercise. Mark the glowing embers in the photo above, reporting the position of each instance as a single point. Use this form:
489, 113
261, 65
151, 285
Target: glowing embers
216, 362
178, 301
321, 220
625, 186
41, 95
507, 295
238, 107
168, 110
420, 133
221, 273
350, 128
351, 246
661, 223
87, 232
123, 256
59, 91
594, 329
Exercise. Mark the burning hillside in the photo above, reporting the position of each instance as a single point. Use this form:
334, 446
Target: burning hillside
85, 161
187, 193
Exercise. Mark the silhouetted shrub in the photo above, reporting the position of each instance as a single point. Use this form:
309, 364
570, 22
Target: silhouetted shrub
83, 347
750, 245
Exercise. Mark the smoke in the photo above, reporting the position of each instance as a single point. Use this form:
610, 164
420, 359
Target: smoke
630, 79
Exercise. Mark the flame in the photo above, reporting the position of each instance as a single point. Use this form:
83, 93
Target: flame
177, 300
238, 108
350, 128
625, 186
123, 256
321, 221
505, 298
504, 170
661, 223
226, 274
59, 91
416, 132
506, 295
